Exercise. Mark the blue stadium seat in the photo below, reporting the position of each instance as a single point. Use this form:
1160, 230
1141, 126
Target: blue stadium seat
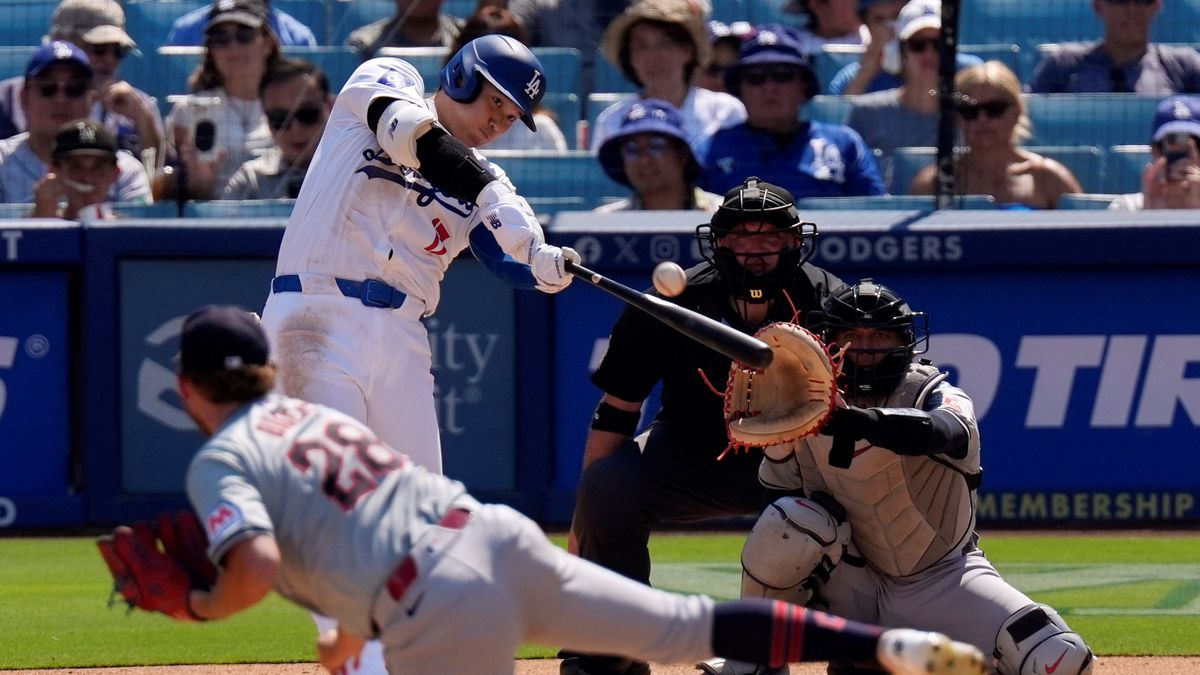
155, 210
825, 108
13, 60
311, 13
149, 21
1085, 201
163, 74
607, 78
596, 103
1124, 166
566, 108
234, 208
831, 59
732, 10
891, 202
1010, 54
554, 182
25, 21
562, 66
346, 16
337, 62
906, 163
1085, 161
427, 60
1091, 119
1027, 22
771, 11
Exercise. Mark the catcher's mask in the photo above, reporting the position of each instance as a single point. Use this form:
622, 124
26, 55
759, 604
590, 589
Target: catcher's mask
755, 202
871, 305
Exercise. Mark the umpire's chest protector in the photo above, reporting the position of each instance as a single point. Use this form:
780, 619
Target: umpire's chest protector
905, 512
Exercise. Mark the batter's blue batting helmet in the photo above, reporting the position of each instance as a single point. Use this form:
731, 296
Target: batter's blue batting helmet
506, 63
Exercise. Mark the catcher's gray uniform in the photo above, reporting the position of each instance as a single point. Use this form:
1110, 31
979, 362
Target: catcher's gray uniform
913, 558
393, 551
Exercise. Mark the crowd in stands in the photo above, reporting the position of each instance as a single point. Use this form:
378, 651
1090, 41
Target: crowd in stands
826, 98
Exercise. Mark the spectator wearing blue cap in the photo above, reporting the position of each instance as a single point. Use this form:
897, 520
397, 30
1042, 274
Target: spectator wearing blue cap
725, 39
57, 89
1172, 179
650, 154
188, 30
659, 45
1124, 60
809, 159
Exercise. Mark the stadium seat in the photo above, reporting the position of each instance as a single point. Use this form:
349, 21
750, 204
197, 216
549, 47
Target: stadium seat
13, 60
163, 74
311, 13
1124, 165
891, 202
831, 59
337, 62
1085, 161
1085, 201
1010, 54
906, 163
346, 16
731, 10
1090, 119
26, 21
553, 182
235, 208
607, 78
1027, 22
149, 21
825, 108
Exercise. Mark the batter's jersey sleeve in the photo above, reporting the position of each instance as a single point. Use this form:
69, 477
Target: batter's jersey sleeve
394, 79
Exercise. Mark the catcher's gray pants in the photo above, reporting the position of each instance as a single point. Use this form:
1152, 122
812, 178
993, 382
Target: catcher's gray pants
668, 479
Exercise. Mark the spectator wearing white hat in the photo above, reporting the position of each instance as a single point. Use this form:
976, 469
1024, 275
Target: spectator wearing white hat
659, 45
98, 28
650, 155
1172, 179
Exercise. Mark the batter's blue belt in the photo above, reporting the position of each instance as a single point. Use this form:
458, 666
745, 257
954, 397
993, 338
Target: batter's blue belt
406, 572
372, 292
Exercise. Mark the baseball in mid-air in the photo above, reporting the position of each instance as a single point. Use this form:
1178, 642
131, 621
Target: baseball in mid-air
669, 279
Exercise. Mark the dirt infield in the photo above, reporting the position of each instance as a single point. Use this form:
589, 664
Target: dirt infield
1110, 665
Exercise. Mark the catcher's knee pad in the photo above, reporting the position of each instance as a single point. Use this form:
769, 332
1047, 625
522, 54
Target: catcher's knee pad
1035, 639
792, 549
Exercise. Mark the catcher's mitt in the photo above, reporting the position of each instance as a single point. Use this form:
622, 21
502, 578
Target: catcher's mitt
788, 400
156, 566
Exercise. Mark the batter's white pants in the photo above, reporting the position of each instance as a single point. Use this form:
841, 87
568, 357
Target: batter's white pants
501, 583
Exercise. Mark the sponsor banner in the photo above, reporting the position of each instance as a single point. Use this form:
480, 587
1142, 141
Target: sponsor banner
26, 242
1086, 380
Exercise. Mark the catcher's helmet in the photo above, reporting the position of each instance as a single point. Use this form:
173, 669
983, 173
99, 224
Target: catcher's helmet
756, 201
503, 61
871, 305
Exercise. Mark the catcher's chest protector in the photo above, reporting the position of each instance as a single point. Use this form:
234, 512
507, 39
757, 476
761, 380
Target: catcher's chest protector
905, 513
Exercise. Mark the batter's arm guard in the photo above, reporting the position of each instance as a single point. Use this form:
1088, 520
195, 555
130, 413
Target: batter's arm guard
499, 263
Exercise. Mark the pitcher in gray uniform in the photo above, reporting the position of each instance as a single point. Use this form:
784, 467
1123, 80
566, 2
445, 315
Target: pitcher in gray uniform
306, 500
899, 464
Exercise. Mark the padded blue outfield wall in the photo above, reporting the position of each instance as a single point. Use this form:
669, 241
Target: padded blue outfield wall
1076, 333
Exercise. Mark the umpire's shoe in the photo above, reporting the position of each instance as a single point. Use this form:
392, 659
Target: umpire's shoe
579, 664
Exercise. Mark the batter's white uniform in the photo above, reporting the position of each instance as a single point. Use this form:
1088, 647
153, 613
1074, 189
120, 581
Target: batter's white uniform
362, 215
913, 559
357, 525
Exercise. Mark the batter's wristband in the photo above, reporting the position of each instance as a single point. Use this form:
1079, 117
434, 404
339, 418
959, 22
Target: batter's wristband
608, 417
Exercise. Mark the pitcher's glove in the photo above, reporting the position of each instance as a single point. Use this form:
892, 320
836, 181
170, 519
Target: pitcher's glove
788, 400
156, 566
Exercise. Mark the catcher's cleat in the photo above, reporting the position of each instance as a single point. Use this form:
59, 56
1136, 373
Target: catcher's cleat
720, 666
905, 651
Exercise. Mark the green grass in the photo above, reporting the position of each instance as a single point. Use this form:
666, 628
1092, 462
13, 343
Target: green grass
1126, 595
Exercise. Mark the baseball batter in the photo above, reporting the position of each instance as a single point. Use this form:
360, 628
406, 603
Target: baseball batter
301, 498
392, 196
902, 462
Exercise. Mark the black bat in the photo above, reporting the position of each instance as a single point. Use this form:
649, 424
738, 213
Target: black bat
708, 332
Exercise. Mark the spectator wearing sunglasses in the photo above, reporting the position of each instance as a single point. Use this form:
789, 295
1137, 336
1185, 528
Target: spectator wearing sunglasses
57, 90
98, 28
188, 30
773, 78
725, 39
882, 64
416, 23
296, 100
1172, 179
1124, 60
221, 125
492, 20
906, 115
659, 45
993, 121
650, 154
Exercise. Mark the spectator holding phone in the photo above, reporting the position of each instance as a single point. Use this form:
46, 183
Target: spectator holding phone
1172, 179
297, 101
221, 125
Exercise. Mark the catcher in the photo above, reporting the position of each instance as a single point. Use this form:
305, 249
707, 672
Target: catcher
304, 499
887, 493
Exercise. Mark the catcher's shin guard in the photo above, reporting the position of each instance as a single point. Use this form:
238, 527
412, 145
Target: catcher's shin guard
791, 550
1035, 639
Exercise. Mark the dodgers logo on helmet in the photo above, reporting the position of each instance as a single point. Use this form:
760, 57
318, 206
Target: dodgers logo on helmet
503, 61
